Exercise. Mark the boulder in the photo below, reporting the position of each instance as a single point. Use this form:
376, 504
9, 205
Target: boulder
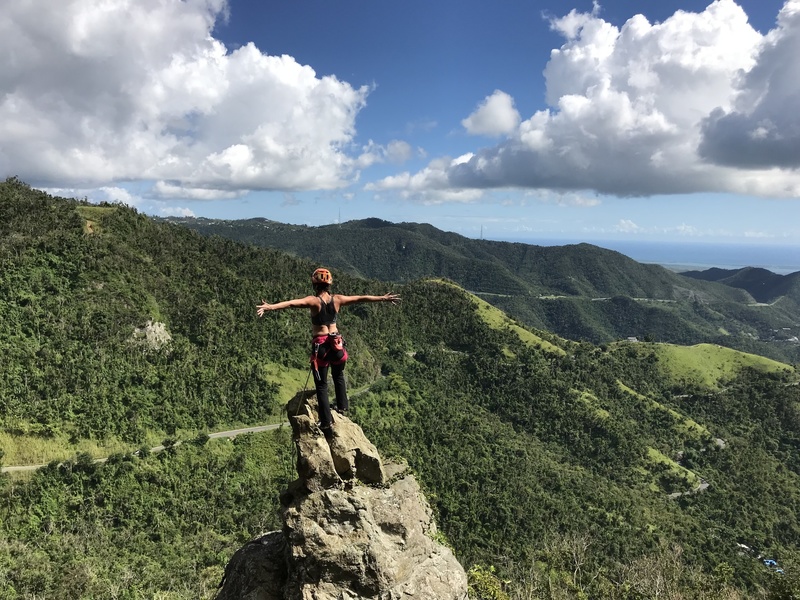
368, 543
354, 456
345, 454
257, 570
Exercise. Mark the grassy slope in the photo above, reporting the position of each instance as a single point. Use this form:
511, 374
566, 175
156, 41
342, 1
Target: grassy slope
705, 366
498, 320
709, 365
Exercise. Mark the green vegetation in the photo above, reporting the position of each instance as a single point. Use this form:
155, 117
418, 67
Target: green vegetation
485, 585
591, 401
36, 450
707, 364
286, 379
497, 319
160, 525
580, 292
550, 464
672, 474
764, 286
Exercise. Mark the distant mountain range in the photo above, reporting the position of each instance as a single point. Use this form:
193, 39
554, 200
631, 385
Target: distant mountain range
579, 291
763, 285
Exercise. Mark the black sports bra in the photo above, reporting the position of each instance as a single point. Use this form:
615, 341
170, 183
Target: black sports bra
326, 314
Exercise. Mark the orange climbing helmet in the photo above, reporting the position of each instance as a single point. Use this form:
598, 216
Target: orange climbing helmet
322, 275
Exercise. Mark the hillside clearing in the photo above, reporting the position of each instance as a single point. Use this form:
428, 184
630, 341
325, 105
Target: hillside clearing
708, 365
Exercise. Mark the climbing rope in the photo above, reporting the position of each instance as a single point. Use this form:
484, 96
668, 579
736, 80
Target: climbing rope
305, 389
303, 392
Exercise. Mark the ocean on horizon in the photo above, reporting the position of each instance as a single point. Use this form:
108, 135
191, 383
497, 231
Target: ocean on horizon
693, 256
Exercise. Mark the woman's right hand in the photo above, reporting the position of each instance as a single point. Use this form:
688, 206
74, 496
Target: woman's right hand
263, 307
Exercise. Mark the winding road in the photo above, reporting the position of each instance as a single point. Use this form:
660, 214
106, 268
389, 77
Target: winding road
231, 433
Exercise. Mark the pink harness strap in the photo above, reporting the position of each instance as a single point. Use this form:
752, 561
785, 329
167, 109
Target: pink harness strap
333, 344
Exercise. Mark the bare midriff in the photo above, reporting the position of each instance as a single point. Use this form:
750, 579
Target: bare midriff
323, 329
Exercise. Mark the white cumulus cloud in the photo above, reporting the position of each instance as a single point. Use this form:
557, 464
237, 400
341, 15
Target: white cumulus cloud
395, 152
627, 226
570, 25
687, 230
699, 102
762, 129
429, 186
101, 91
166, 191
495, 116
563, 198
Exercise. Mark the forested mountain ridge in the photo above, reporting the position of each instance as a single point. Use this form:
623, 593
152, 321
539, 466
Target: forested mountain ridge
761, 284
580, 291
531, 448
72, 273
409, 251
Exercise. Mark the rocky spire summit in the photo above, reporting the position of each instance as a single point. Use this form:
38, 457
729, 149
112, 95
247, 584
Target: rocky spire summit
355, 528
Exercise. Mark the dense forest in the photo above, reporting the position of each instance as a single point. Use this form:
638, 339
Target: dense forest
761, 284
556, 469
579, 291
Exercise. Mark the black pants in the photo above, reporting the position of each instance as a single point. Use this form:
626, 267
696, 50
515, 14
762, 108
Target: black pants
340, 388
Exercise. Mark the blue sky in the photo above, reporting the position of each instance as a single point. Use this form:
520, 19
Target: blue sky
616, 120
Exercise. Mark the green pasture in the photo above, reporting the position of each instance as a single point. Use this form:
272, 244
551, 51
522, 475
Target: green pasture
708, 365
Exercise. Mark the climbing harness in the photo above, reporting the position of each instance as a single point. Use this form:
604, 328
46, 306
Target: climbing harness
328, 349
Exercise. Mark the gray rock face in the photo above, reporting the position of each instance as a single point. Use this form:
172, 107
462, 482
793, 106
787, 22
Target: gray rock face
257, 570
342, 539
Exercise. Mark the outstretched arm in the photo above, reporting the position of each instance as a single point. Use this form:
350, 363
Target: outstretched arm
345, 300
307, 302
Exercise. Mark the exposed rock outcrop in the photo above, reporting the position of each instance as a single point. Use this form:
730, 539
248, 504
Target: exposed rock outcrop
354, 528
152, 336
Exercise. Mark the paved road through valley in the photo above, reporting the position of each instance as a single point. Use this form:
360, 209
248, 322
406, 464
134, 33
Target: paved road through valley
232, 433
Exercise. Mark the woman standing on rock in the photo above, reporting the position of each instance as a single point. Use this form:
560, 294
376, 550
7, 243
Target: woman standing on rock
327, 344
